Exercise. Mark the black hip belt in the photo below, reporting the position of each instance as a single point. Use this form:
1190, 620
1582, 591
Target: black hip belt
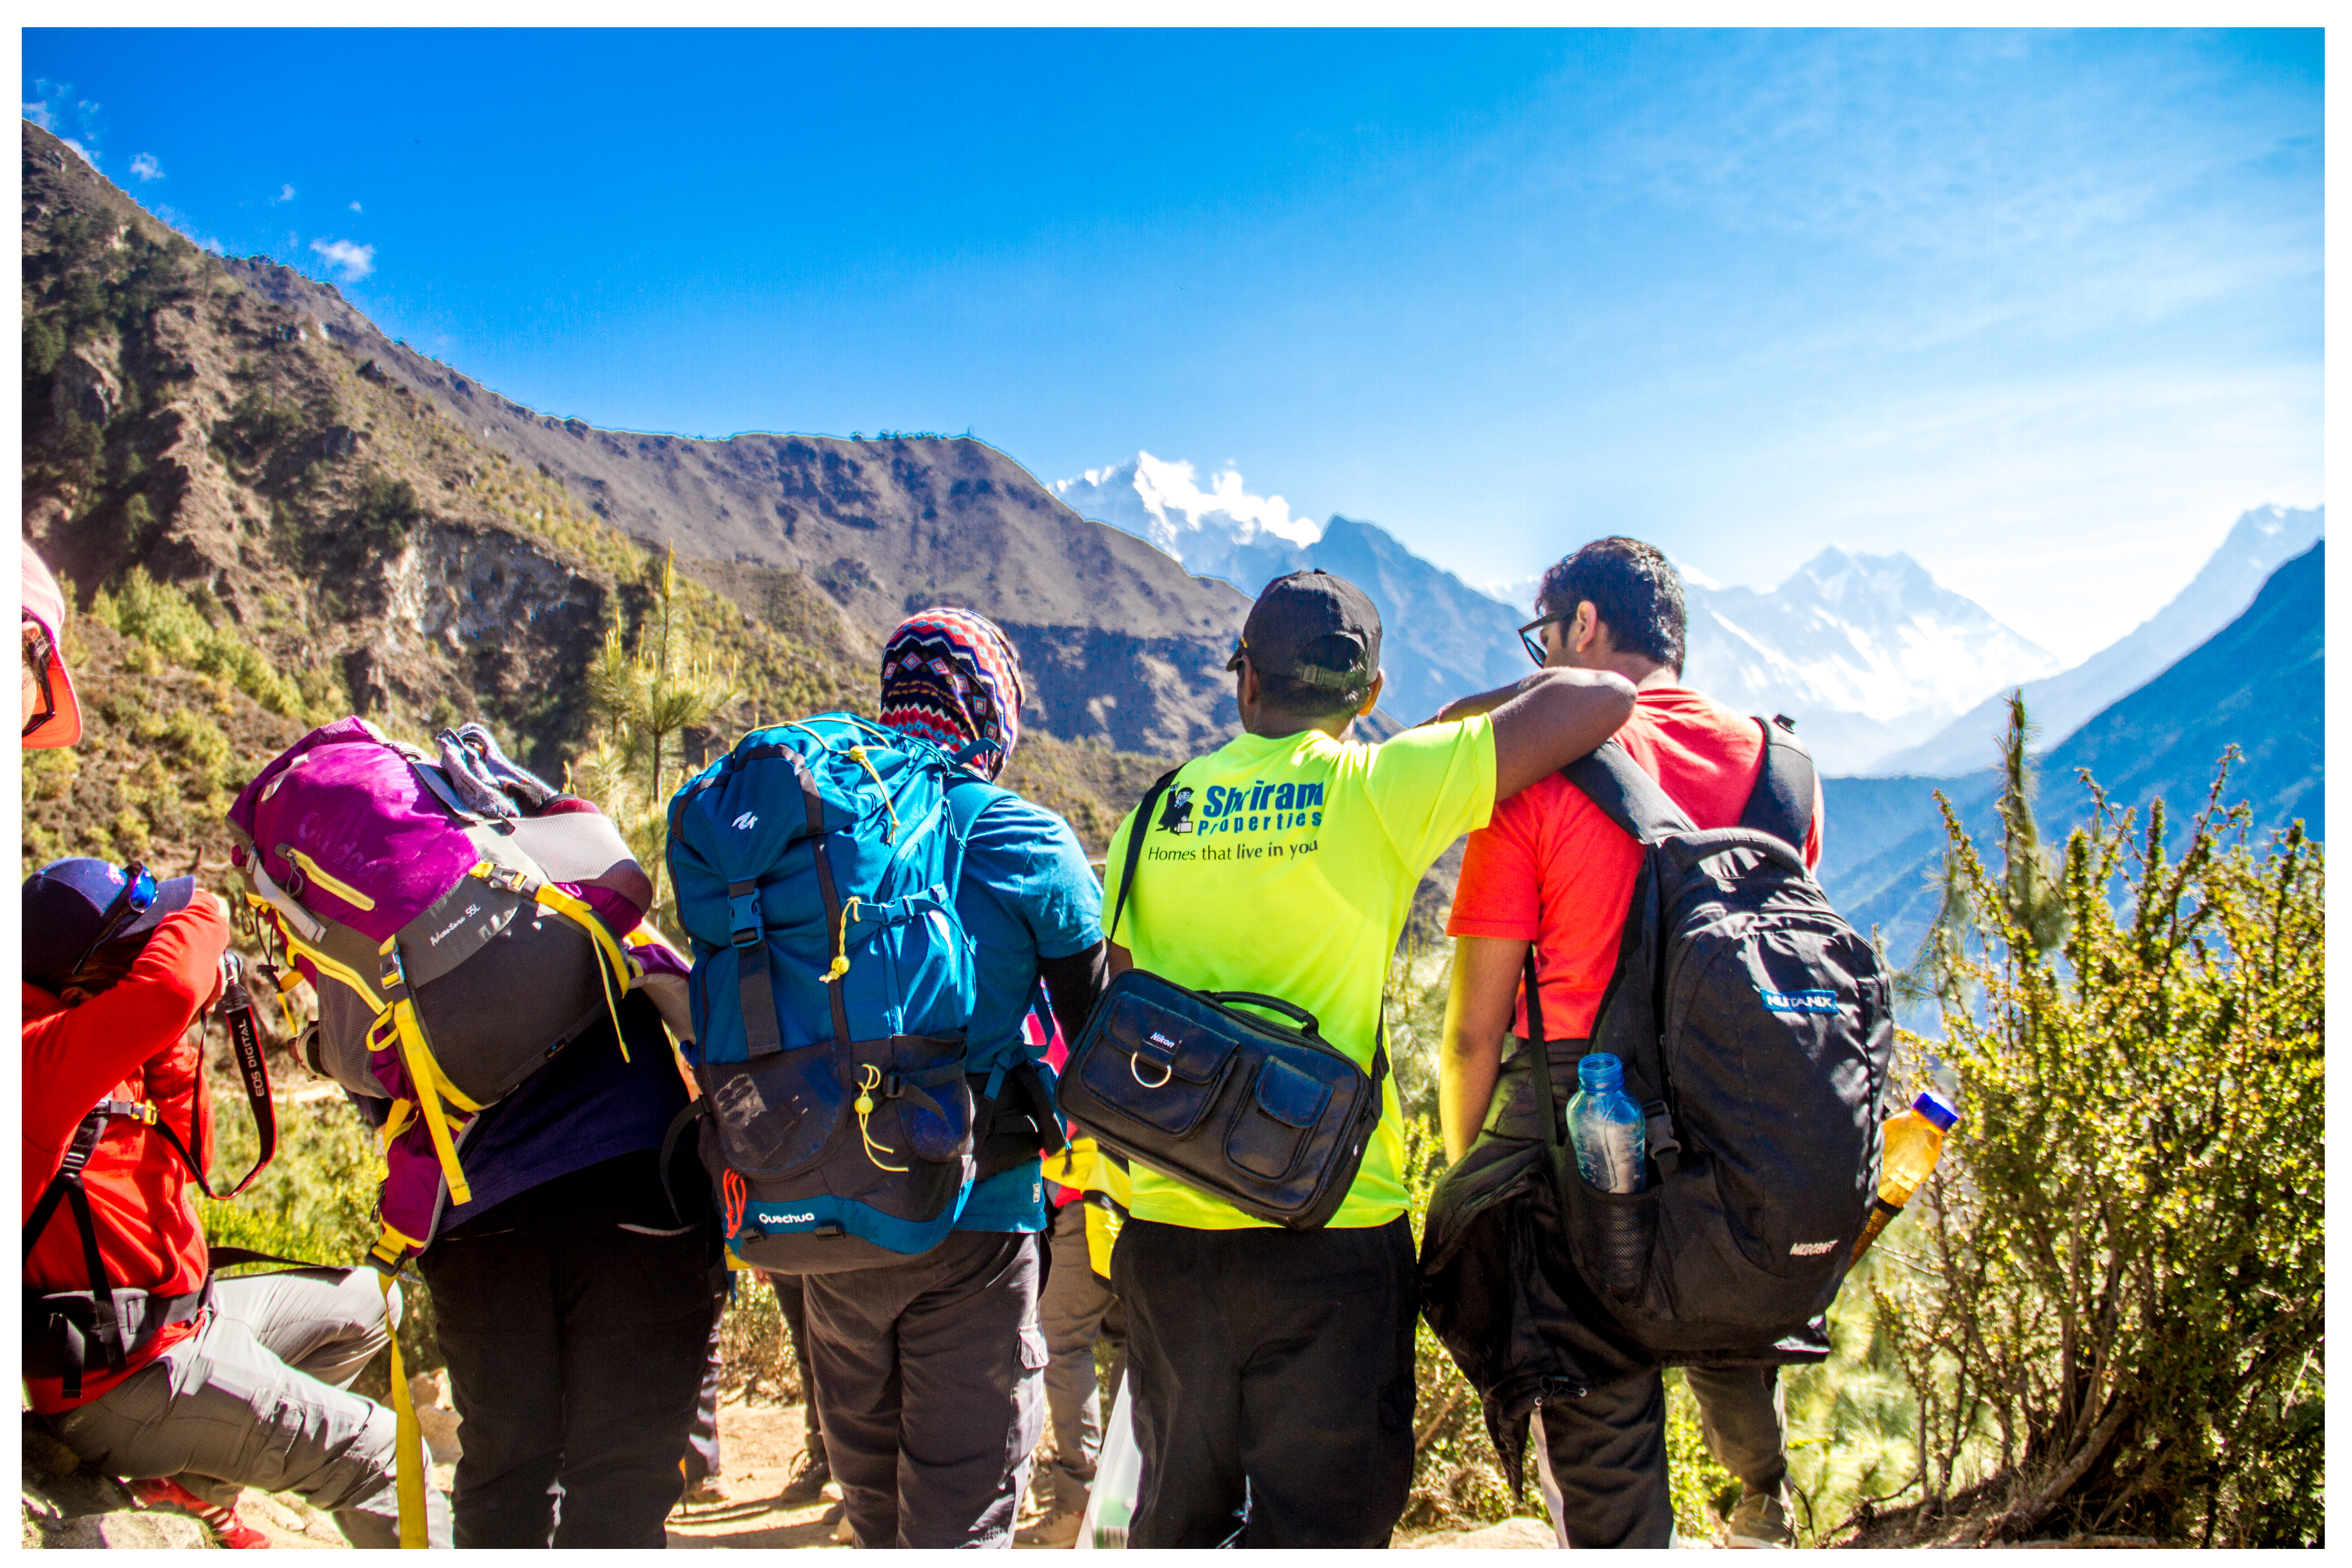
63, 1337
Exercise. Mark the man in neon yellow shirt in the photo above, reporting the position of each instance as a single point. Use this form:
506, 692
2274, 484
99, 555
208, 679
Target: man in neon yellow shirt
1272, 1369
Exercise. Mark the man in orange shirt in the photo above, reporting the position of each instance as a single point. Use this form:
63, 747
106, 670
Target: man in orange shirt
1551, 870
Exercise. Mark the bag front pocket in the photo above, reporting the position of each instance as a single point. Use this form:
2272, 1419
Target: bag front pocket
1156, 1066
776, 1113
1276, 1122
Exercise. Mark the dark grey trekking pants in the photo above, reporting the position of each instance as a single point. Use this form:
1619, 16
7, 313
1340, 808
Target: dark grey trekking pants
1600, 1460
1076, 1308
929, 1384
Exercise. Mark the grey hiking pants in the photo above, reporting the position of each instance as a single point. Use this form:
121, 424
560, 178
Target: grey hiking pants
1600, 1461
928, 1389
1075, 1310
256, 1397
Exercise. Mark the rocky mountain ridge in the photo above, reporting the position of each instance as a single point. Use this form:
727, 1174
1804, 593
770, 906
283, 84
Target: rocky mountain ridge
265, 527
1120, 643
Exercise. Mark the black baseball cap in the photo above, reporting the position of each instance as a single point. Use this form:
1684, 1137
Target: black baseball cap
68, 904
1315, 627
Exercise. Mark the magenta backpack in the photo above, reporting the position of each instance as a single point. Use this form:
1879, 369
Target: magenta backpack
445, 912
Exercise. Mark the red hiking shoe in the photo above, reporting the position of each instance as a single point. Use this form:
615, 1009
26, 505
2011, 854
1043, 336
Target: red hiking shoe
162, 1491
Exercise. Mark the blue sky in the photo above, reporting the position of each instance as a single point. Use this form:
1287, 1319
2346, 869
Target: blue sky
2041, 309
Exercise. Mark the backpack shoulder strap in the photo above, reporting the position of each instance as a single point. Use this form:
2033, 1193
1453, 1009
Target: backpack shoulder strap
1781, 804
1613, 781
1149, 804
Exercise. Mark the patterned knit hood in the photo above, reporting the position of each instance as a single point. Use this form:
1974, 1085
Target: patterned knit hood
952, 678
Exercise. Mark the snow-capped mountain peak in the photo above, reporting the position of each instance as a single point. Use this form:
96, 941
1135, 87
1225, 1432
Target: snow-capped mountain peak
1163, 501
1868, 652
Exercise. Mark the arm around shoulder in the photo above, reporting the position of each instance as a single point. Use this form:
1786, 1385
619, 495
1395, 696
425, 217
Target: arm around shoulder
1554, 717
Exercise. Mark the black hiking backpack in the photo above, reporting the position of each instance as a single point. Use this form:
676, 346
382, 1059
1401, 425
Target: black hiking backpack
1757, 1033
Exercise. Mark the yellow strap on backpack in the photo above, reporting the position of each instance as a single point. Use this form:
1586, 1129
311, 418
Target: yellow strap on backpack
408, 1466
1104, 1219
425, 1075
615, 963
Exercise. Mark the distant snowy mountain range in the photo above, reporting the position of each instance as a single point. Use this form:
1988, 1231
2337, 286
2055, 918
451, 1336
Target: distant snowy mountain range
1884, 669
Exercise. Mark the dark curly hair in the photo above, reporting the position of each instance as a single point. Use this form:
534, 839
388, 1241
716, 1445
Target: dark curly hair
1635, 590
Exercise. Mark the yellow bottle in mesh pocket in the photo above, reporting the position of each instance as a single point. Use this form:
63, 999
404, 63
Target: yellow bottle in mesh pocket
1915, 1141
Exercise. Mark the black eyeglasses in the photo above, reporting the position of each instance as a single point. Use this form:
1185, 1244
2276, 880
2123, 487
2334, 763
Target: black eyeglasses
39, 648
1534, 645
138, 896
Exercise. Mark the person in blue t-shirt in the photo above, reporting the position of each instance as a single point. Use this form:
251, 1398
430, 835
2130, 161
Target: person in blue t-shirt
929, 1374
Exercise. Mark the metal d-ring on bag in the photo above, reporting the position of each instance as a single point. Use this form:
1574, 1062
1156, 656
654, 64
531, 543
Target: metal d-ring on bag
1265, 1114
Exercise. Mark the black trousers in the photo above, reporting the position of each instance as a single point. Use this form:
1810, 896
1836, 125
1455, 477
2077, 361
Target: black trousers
576, 1350
1273, 1383
1602, 1458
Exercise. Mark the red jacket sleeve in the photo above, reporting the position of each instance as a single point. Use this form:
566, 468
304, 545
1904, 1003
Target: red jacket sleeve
71, 1057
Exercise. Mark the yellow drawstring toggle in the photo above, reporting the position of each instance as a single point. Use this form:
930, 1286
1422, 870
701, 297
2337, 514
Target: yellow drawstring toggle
857, 754
864, 1108
840, 965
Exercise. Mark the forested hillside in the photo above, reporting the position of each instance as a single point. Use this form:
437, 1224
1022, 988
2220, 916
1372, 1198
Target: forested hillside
264, 528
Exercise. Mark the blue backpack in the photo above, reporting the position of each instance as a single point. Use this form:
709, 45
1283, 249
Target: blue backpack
816, 867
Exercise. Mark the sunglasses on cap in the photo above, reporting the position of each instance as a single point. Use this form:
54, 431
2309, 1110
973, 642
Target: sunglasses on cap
137, 897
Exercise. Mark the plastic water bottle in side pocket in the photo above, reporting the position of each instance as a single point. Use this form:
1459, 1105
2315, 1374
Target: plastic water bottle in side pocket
1605, 1126
1119, 1479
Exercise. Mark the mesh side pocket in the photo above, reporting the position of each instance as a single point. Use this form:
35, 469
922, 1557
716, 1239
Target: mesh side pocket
1615, 1234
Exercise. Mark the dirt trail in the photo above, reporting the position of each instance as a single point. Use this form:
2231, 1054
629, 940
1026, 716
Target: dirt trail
759, 1445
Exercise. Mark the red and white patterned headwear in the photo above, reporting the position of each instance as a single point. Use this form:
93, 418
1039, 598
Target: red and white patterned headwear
952, 678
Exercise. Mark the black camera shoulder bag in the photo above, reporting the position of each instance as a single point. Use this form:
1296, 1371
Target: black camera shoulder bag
1268, 1116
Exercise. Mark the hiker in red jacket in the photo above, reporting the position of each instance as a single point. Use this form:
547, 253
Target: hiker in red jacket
219, 1384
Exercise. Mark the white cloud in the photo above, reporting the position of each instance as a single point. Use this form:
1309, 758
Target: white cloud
87, 155
354, 260
355, 207
145, 167
285, 196
39, 114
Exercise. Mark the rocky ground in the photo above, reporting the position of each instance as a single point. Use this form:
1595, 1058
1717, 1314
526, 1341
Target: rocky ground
66, 1506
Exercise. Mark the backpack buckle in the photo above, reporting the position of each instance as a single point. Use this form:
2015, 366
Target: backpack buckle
508, 878
743, 919
891, 1084
1664, 1147
391, 973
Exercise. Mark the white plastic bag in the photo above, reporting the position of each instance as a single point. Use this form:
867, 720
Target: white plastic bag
1119, 1478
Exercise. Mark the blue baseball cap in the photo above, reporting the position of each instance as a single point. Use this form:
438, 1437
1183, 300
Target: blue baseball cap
66, 906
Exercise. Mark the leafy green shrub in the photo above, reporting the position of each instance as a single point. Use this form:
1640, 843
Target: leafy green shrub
163, 617
2113, 1321
755, 1347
